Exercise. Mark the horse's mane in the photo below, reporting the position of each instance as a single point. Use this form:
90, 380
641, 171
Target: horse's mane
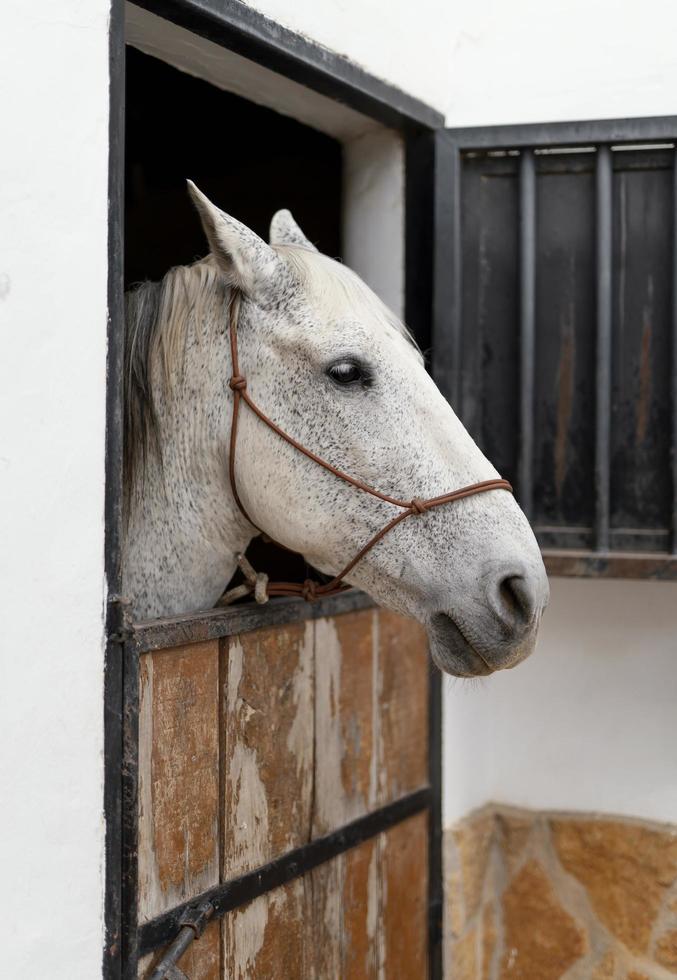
158, 315
156, 319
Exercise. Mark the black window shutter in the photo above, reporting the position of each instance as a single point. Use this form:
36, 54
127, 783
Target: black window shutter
555, 328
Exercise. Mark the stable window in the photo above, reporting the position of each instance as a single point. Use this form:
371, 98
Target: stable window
284, 709
556, 332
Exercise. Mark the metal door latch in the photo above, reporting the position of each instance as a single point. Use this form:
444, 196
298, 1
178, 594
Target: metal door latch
191, 926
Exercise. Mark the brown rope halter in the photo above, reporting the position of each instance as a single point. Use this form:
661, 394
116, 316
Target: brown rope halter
311, 590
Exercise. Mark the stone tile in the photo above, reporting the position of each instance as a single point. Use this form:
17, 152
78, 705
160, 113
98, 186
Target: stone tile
626, 869
488, 939
665, 951
473, 840
541, 939
605, 968
513, 835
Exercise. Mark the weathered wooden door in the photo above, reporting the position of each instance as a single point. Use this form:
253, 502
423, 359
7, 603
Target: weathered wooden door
283, 776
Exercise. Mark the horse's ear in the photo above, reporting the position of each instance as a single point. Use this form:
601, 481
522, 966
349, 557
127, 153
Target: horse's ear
285, 231
244, 258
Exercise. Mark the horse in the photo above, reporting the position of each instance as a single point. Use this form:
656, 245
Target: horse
334, 368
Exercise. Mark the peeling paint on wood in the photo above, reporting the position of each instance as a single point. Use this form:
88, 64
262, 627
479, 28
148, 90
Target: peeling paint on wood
404, 669
344, 719
325, 916
178, 776
268, 751
269, 938
361, 912
371, 712
404, 888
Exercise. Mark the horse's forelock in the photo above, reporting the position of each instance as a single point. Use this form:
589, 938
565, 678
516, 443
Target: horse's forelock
339, 286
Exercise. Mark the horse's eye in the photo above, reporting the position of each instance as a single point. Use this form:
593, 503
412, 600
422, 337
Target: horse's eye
346, 373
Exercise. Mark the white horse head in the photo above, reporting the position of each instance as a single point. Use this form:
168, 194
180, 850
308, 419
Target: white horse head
335, 368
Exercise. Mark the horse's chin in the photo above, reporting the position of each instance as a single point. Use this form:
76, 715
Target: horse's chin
452, 652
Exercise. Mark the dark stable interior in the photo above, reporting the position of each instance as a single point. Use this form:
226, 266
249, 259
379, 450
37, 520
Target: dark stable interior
248, 159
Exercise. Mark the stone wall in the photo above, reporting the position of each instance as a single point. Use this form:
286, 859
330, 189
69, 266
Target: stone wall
560, 896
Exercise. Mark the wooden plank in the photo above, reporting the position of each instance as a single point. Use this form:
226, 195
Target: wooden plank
641, 485
213, 624
404, 890
345, 915
404, 671
626, 566
324, 918
490, 354
359, 903
268, 751
371, 710
270, 937
565, 344
178, 776
345, 713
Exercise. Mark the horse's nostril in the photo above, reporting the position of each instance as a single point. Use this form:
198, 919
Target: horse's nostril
509, 599
516, 599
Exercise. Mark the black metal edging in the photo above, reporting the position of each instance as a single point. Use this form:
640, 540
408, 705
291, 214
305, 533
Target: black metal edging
527, 328
114, 911
435, 835
223, 898
429, 215
604, 310
673, 379
248, 33
653, 129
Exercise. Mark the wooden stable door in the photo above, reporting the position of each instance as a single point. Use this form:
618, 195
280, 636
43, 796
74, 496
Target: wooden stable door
258, 744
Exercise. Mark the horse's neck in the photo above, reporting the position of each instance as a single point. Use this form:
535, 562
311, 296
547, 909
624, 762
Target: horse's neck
182, 538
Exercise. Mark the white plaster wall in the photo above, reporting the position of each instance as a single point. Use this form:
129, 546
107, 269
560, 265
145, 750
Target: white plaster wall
53, 186
588, 722
498, 62
373, 212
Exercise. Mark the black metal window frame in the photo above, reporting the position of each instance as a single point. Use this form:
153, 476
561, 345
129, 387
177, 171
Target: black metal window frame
527, 139
248, 33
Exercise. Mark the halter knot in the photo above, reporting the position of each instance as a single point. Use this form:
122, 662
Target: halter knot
418, 506
238, 382
261, 588
309, 591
